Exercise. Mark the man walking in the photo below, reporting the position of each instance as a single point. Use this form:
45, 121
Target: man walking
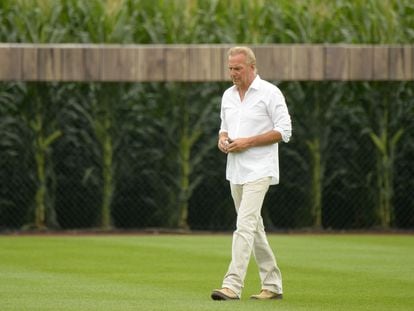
254, 119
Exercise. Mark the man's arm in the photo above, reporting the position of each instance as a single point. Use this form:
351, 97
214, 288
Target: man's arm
268, 138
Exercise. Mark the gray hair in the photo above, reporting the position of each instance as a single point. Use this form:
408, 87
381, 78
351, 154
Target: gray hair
248, 52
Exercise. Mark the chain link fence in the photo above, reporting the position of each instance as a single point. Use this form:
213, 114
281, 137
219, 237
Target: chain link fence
138, 156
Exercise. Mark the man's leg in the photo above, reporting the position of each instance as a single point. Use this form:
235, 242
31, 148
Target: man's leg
248, 204
270, 274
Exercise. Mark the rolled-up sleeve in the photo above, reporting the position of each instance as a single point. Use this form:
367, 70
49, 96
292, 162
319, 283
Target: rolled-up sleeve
280, 116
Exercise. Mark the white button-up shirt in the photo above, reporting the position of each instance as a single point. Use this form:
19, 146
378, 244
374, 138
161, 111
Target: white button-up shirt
263, 109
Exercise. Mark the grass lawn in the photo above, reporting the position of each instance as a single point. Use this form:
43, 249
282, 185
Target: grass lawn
178, 272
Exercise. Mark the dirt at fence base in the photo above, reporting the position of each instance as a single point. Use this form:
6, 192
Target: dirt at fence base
171, 231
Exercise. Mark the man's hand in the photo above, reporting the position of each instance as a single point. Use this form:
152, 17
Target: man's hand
226, 144
223, 143
244, 143
239, 144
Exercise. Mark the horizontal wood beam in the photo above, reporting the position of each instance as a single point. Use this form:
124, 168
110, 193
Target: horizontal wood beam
196, 63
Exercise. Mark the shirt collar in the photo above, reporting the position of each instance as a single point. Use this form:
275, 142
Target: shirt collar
255, 85
256, 82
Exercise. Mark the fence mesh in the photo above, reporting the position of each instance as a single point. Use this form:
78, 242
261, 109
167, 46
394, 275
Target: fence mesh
133, 156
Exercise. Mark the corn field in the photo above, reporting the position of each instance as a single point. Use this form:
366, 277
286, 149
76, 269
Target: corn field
140, 155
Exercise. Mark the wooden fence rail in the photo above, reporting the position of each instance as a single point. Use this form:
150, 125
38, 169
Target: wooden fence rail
192, 63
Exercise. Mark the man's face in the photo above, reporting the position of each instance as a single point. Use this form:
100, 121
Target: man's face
240, 72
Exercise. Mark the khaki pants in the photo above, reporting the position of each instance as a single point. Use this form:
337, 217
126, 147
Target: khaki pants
250, 237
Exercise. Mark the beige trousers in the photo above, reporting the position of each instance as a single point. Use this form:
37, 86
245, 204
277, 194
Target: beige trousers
250, 237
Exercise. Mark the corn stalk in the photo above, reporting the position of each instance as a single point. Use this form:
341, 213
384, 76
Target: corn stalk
103, 128
42, 145
386, 143
313, 108
387, 118
187, 140
182, 125
44, 133
103, 121
385, 168
317, 174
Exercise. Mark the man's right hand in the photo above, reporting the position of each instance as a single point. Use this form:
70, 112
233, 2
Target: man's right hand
223, 143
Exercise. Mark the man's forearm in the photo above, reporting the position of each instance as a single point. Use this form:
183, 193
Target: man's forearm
264, 139
243, 143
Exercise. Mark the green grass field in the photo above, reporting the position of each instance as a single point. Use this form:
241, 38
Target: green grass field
178, 272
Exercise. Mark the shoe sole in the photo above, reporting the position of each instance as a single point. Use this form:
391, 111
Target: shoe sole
277, 297
216, 295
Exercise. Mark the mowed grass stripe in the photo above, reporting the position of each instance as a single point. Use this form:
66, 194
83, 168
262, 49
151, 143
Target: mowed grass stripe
321, 272
350, 272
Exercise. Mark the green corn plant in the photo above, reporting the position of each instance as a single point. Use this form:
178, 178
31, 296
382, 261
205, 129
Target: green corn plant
77, 158
370, 21
196, 110
193, 114
31, 22
96, 106
42, 147
313, 110
15, 162
387, 115
386, 148
403, 168
46, 21
183, 123
103, 100
38, 118
110, 110
103, 128
140, 198
46, 132
96, 21
173, 21
195, 21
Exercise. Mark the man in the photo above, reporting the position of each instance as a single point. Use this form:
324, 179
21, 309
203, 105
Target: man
254, 119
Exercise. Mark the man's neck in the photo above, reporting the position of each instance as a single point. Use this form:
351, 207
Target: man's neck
243, 89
